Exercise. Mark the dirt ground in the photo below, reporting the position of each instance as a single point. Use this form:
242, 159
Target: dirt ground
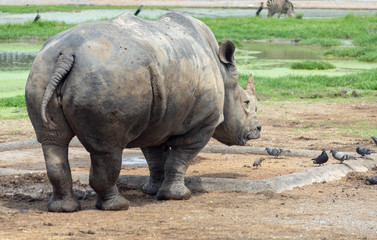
342, 209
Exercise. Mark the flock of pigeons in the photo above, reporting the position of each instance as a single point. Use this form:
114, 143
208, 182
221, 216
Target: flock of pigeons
323, 157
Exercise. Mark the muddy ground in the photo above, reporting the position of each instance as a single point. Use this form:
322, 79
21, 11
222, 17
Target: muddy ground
342, 209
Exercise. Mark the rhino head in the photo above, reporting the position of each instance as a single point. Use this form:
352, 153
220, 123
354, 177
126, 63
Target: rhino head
240, 105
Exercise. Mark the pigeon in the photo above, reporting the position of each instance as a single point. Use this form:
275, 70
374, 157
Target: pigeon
276, 151
372, 179
374, 139
341, 156
138, 10
363, 151
37, 17
321, 159
258, 162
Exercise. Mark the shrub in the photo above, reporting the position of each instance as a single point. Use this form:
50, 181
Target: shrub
17, 101
299, 15
312, 65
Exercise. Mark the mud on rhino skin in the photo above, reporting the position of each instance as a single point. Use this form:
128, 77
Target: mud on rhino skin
165, 86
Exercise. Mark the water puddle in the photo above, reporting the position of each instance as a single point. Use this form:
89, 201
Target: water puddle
266, 50
133, 159
12, 61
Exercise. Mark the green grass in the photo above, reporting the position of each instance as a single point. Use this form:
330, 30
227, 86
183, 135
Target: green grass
315, 31
312, 65
264, 28
13, 83
13, 113
41, 30
299, 16
316, 86
17, 102
323, 42
365, 54
6, 46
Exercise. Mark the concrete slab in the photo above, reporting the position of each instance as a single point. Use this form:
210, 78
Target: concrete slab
277, 184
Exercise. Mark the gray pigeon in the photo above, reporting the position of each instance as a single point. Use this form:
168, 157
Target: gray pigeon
258, 162
372, 179
363, 151
321, 159
341, 156
276, 151
374, 139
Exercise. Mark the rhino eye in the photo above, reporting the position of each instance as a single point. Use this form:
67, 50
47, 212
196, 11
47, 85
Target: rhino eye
247, 102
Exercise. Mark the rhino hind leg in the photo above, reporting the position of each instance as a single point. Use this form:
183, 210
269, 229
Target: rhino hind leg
104, 173
156, 158
59, 173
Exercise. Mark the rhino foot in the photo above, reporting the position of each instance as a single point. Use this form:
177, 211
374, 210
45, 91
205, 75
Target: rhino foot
174, 192
68, 204
116, 202
151, 188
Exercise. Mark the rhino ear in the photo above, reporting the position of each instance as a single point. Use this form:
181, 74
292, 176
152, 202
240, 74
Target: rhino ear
226, 51
250, 87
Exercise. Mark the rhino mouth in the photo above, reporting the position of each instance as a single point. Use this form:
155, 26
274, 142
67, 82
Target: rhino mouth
254, 134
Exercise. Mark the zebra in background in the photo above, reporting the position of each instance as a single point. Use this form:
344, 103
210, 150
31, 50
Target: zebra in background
280, 7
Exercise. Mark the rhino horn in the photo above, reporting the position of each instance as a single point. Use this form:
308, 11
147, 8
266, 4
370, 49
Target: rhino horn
250, 85
226, 51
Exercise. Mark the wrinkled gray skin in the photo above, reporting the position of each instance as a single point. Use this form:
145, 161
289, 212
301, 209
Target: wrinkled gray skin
165, 86
280, 7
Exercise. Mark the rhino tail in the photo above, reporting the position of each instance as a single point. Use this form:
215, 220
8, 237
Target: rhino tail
62, 68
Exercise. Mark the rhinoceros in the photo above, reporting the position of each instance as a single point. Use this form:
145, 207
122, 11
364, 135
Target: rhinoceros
280, 7
166, 86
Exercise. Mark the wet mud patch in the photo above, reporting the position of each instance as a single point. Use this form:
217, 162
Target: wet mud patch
21, 190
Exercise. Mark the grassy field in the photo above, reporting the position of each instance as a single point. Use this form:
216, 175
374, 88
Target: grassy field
362, 30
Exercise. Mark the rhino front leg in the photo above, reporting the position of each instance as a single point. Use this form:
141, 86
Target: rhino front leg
173, 187
104, 173
59, 173
156, 158
182, 151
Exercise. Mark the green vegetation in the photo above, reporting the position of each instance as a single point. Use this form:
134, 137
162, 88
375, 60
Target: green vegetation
41, 30
365, 54
20, 46
323, 42
312, 65
13, 107
17, 102
293, 86
324, 32
264, 28
299, 16
12, 83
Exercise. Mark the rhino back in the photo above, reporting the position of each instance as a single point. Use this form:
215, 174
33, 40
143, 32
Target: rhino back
141, 81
